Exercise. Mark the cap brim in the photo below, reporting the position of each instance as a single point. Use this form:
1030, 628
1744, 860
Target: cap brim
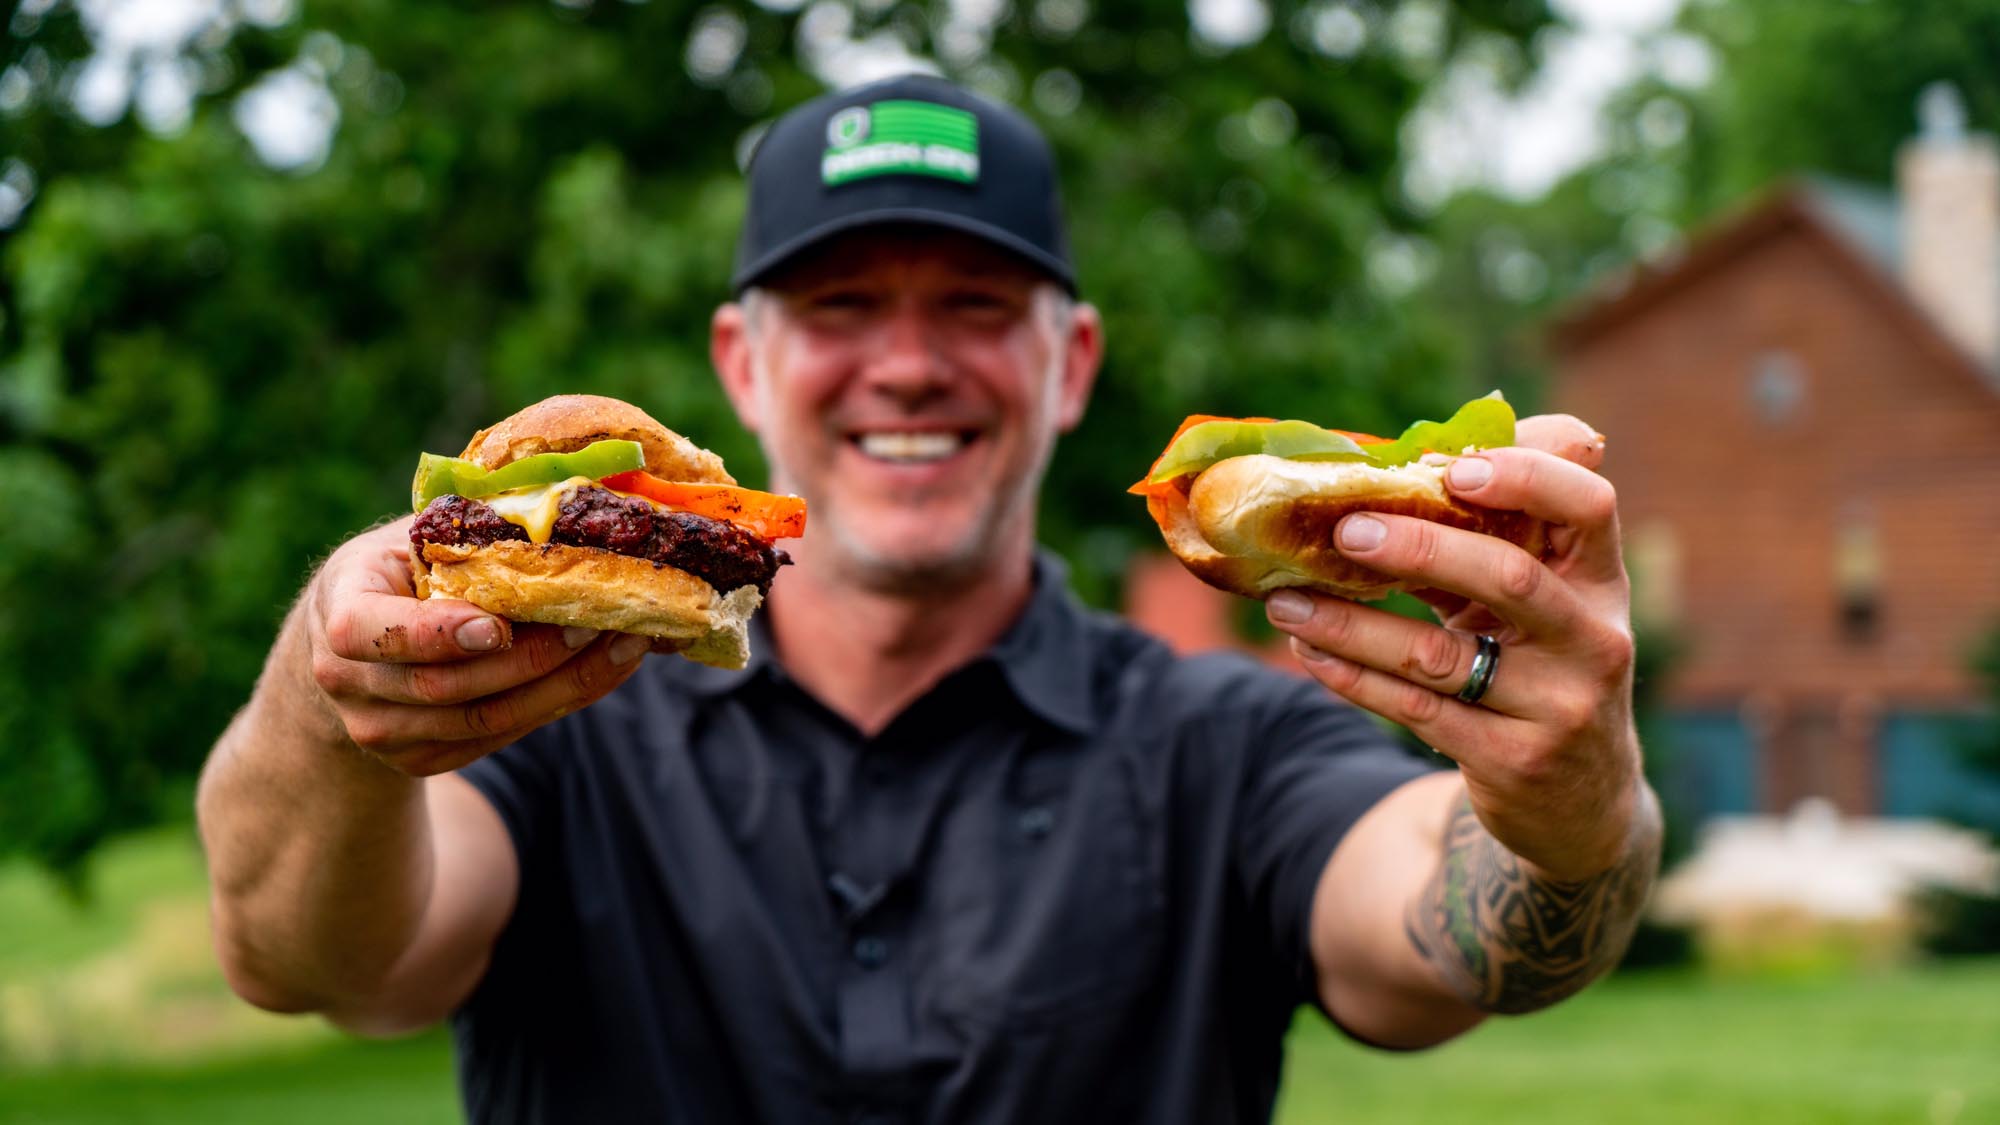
778, 255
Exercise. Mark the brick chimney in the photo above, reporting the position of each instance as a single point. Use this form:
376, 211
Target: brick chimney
1950, 184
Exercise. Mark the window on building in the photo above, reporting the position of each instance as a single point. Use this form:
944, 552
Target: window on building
1857, 573
1653, 555
1777, 387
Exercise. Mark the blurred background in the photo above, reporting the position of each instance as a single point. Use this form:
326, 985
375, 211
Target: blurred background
256, 254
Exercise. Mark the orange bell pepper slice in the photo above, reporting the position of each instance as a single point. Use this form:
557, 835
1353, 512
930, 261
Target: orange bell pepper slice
767, 515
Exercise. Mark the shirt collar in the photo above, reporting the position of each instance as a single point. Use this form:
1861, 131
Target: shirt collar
1044, 655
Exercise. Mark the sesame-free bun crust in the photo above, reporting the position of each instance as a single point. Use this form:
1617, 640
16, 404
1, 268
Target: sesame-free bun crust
567, 423
556, 584
1251, 525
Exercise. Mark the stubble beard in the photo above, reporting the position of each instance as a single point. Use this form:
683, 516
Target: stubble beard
1008, 515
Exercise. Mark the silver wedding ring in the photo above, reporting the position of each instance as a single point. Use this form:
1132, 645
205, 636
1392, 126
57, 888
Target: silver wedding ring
1484, 661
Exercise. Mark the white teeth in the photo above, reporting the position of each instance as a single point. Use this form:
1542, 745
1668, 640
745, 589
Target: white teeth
913, 447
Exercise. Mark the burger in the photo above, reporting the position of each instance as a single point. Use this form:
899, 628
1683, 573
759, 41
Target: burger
1249, 504
583, 510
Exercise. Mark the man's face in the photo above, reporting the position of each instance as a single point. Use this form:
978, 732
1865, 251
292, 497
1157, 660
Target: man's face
910, 384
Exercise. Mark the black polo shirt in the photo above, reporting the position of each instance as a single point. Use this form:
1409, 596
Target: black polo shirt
1070, 883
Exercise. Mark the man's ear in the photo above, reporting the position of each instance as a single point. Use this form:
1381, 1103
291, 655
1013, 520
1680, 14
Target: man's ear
1083, 351
729, 351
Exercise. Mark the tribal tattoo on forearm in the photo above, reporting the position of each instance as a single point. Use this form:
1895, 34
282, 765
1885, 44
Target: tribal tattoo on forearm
1509, 942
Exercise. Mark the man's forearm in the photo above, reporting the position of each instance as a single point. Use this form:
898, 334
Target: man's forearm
1507, 939
319, 862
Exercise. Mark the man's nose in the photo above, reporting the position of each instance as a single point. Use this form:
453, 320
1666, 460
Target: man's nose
907, 361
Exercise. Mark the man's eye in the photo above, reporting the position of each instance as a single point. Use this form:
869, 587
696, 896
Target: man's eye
975, 302
842, 300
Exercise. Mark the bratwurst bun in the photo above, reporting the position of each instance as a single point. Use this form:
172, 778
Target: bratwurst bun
1250, 505
583, 510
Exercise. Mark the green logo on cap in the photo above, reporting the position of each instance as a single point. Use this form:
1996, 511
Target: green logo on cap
908, 137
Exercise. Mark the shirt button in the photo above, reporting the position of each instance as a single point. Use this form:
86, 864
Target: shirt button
1037, 822
871, 952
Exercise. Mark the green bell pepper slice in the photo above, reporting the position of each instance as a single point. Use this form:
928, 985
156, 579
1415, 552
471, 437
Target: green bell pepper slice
451, 476
1483, 423
1209, 442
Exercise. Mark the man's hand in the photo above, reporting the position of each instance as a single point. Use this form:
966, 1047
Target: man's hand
429, 686
1550, 754
1541, 858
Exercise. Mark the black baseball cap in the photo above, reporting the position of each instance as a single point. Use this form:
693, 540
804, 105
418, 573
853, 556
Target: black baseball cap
910, 149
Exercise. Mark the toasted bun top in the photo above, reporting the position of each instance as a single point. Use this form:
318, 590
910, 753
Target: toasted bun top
567, 423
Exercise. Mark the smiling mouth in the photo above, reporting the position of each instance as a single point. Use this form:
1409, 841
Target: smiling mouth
913, 447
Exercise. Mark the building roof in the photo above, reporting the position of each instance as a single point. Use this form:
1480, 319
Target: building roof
1860, 225
1869, 217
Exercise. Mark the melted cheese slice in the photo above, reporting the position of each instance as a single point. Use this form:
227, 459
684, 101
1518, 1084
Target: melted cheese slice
534, 510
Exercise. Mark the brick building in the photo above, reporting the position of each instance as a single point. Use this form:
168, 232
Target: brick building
1804, 418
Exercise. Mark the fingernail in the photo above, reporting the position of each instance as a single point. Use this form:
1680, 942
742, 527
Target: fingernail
481, 634
629, 647
1307, 652
1362, 533
1470, 472
576, 636
1289, 607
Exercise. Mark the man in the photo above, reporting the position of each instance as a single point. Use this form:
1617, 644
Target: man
951, 849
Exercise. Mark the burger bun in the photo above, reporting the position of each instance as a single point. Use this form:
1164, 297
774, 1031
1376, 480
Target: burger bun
562, 585
567, 423
1252, 525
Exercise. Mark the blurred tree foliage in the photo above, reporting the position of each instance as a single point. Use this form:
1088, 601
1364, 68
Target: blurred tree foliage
212, 370
1828, 88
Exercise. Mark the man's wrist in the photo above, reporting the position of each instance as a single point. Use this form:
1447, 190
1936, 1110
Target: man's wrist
289, 714
1629, 825
287, 692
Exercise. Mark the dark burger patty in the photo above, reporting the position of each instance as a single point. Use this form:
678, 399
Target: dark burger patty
458, 522
716, 551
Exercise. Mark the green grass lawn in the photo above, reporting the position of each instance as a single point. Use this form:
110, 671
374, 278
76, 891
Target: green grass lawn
1915, 1045
407, 1082
42, 929
1909, 1046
